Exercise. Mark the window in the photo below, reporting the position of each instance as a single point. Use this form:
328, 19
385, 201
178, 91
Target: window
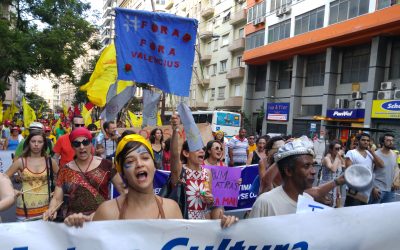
239, 62
279, 31
212, 94
193, 94
207, 72
395, 59
311, 110
285, 75
315, 70
241, 33
226, 17
256, 11
356, 64
237, 90
160, 1
208, 48
255, 39
341, 10
221, 93
225, 40
276, 4
215, 44
386, 3
205, 99
309, 21
222, 66
261, 79
214, 69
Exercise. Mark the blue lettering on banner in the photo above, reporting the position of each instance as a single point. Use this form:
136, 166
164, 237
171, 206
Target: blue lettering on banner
314, 207
236, 245
392, 105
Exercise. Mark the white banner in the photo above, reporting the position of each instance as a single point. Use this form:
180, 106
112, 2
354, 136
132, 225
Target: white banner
364, 227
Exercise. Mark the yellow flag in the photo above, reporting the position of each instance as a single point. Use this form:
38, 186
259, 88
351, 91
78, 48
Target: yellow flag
13, 110
1, 111
136, 121
65, 109
7, 114
57, 125
159, 121
97, 124
29, 113
104, 75
86, 114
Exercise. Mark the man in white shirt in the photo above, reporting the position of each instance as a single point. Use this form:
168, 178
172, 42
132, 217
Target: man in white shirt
106, 141
366, 157
295, 162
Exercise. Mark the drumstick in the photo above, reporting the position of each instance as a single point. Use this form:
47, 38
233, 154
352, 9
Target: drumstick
55, 209
36, 193
33, 188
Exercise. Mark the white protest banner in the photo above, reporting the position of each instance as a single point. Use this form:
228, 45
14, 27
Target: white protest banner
364, 227
306, 205
5, 160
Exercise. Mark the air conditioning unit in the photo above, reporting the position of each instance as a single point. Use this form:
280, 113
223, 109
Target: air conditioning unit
359, 104
387, 85
384, 95
356, 95
396, 94
261, 20
286, 9
342, 103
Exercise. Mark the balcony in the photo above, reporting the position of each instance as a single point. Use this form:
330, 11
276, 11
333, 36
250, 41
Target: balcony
107, 11
207, 12
237, 44
204, 82
201, 105
235, 101
205, 34
238, 17
235, 73
205, 58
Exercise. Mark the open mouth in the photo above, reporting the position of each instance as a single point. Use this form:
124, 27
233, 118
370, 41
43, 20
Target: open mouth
141, 176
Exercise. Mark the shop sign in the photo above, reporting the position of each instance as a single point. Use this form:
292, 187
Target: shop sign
345, 113
388, 109
278, 111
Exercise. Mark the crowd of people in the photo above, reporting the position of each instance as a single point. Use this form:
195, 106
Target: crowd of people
65, 174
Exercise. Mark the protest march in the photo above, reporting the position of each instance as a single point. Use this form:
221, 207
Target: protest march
130, 180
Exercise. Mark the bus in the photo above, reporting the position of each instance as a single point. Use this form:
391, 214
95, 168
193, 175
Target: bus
226, 121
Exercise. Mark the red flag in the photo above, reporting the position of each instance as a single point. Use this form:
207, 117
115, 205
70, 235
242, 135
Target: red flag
89, 105
77, 112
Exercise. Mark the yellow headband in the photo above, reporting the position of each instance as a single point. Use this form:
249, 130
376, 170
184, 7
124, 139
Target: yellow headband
133, 138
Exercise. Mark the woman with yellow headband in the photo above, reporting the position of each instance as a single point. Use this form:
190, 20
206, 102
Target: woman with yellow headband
135, 161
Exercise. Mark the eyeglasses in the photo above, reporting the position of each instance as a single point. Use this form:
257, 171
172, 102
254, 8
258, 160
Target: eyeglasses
338, 148
77, 144
79, 125
217, 148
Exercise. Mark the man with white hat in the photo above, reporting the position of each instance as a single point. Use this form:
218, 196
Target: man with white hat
296, 165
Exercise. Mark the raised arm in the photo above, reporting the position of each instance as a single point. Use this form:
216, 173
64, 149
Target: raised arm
176, 164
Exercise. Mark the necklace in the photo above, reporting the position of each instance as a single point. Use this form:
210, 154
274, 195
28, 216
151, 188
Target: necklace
87, 168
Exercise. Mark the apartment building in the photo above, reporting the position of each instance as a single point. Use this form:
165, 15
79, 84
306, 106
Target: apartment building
316, 64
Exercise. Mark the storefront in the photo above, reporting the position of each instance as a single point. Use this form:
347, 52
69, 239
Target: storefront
344, 117
277, 116
385, 114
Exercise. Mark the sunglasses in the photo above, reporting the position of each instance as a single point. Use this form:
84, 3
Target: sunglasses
217, 148
77, 144
79, 125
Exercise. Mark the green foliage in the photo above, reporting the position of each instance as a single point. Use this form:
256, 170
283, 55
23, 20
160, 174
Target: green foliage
43, 37
37, 102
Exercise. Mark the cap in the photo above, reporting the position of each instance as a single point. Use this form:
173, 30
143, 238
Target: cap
15, 128
36, 125
300, 146
47, 128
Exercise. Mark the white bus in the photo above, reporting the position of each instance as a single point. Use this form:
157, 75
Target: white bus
228, 122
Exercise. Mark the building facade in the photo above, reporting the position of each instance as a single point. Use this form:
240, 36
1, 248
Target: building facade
317, 64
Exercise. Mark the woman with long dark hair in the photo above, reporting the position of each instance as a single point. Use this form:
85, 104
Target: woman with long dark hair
214, 154
157, 144
259, 153
332, 165
38, 171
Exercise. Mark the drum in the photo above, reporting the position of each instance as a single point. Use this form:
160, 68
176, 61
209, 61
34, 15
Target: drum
358, 177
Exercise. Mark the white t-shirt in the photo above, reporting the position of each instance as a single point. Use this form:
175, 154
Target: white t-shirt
367, 162
273, 203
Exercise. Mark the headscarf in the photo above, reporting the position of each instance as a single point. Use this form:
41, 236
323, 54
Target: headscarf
80, 132
131, 138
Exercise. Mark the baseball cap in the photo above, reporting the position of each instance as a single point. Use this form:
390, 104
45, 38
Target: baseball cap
36, 125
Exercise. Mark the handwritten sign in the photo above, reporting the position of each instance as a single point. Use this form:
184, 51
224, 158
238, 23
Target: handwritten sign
155, 48
225, 185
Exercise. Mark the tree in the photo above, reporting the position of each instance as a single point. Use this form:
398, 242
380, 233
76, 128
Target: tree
42, 37
37, 102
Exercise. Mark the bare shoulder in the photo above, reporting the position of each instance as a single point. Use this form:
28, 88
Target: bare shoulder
108, 210
171, 209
